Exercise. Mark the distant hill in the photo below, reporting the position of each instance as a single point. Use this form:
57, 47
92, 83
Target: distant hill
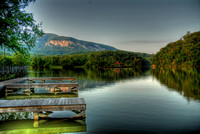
184, 52
52, 44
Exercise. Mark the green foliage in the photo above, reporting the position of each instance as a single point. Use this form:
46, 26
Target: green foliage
20, 59
184, 52
17, 27
108, 58
40, 62
17, 59
95, 59
6, 61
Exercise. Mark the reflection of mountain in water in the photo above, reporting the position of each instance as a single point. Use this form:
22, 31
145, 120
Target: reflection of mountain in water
186, 82
91, 78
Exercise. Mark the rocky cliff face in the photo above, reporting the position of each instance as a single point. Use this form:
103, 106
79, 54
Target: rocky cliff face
54, 44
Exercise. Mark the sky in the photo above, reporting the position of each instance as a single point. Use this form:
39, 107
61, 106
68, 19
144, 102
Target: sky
131, 25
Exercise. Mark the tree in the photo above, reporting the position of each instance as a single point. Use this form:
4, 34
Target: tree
20, 59
18, 30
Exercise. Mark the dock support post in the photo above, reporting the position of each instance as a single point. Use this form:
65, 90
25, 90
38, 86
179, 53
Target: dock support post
36, 119
36, 116
55, 92
81, 114
6, 92
35, 123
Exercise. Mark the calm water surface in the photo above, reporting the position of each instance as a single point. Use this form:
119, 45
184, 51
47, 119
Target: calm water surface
133, 100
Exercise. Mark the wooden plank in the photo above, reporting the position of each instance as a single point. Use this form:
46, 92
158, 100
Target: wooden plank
34, 105
51, 78
35, 102
40, 95
41, 102
34, 85
12, 81
42, 108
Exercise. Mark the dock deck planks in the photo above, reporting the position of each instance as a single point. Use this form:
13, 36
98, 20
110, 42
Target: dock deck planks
35, 105
41, 95
51, 78
34, 85
12, 81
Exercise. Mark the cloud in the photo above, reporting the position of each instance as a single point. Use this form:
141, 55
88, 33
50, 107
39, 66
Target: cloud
143, 41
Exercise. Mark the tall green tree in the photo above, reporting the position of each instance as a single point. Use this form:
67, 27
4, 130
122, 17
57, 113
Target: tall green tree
18, 30
20, 59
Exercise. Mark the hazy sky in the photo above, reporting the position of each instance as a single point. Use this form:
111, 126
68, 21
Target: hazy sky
133, 25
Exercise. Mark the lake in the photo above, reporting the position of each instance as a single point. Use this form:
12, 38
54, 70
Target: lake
127, 101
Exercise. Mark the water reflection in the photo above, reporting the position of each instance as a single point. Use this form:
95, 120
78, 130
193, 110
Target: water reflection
42, 126
91, 78
45, 92
184, 81
128, 102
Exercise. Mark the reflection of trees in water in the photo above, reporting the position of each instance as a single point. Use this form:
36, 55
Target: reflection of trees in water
16, 116
43, 126
91, 78
186, 82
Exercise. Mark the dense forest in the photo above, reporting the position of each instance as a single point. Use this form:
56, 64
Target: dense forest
184, 52
95, 59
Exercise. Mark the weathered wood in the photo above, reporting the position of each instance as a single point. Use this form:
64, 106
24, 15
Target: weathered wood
81, 114
12, 81
40, 95
36, 116
51, 78
34, 85
35, 105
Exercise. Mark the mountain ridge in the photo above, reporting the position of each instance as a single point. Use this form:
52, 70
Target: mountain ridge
52, 44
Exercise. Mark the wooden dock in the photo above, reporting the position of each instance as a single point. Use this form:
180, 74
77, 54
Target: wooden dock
40, 95
39, 105
34, 85
18, 80
11, 86
51, 78
35, 105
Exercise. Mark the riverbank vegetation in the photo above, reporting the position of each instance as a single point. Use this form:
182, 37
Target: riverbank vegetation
97, 59
184, 52
16, 59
